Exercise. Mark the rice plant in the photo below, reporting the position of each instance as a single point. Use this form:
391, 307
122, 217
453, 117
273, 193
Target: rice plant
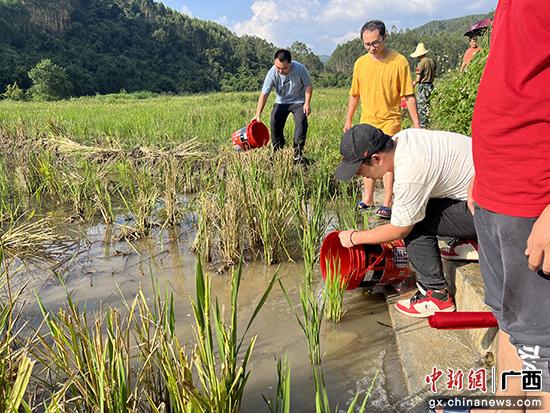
140, 198
43, 177
333, 291
310, 320
202, 244
345, 205
222, 375
281, 402
103, 201
169, 172
15, 364
27, 236
92, 357
314, 222
273, 196
167, 369
80, 182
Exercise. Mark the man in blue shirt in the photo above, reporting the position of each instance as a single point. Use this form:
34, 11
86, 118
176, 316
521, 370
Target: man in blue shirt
293, 88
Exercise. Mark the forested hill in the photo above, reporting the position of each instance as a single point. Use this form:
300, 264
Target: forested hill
107, 46
444, 38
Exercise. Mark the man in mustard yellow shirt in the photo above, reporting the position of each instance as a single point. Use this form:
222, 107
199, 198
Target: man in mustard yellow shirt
380, 78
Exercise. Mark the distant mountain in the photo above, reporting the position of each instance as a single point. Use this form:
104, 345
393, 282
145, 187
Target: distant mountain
107, 46
444, 38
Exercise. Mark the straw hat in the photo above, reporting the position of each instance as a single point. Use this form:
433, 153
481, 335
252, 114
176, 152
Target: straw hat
420, 50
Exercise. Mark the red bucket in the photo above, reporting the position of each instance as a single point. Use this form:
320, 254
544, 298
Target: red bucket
254, 135
382, 264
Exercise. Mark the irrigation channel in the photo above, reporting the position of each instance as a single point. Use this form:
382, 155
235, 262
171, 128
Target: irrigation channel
100, 273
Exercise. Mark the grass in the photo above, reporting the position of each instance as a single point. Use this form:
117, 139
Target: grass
162, 121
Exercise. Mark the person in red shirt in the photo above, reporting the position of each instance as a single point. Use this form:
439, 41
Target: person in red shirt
511, 187
470, 53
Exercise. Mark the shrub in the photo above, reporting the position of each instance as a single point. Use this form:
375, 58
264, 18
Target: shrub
14, 92
452, 102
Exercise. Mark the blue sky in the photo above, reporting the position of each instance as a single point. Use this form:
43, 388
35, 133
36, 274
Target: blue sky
323, 24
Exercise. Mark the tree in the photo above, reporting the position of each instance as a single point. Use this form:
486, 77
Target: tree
301, 52
49, 81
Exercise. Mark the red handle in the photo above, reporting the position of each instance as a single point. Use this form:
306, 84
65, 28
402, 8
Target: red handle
461, 320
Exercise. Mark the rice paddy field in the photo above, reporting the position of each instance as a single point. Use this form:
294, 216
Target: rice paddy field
149, 267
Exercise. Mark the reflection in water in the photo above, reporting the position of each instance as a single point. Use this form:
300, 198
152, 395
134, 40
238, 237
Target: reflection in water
104, 274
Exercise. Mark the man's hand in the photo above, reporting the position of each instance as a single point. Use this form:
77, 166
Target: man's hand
538, 243
347, 126
307, 109
347, 238
470, 200
257, 118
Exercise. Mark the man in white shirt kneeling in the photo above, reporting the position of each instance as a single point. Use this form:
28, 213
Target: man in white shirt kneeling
432, 173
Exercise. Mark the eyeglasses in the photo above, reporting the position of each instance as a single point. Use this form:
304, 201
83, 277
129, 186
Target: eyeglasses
376, 43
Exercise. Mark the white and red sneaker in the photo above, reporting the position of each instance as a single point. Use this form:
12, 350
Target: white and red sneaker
425, 304
461, 250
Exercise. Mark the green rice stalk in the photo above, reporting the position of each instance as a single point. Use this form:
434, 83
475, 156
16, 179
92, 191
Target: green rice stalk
103, 201
140, 203
314, 222
167, 370
322, 404
345, 205
310, 320
281, 403
333, 292
43, 176
222, 376
229, 221
97, 368
15, 365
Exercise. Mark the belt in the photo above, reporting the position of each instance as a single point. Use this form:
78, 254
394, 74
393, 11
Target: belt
426, 83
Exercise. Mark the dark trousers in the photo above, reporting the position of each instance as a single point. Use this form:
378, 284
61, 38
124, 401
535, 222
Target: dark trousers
518, 296
446, 218
278, 119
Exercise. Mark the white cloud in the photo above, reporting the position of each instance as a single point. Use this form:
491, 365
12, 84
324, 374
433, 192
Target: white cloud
346, 37
325, 23
223, 20
279, 21
186, 10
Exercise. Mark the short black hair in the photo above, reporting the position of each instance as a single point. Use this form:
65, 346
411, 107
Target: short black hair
373, 25
388, 147
283, 55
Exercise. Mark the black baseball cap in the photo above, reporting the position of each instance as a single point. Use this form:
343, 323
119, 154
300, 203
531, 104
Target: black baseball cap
358, 144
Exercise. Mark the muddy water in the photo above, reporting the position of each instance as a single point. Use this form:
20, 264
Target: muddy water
354, 350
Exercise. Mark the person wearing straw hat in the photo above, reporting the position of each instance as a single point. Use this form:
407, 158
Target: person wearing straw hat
425, 74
